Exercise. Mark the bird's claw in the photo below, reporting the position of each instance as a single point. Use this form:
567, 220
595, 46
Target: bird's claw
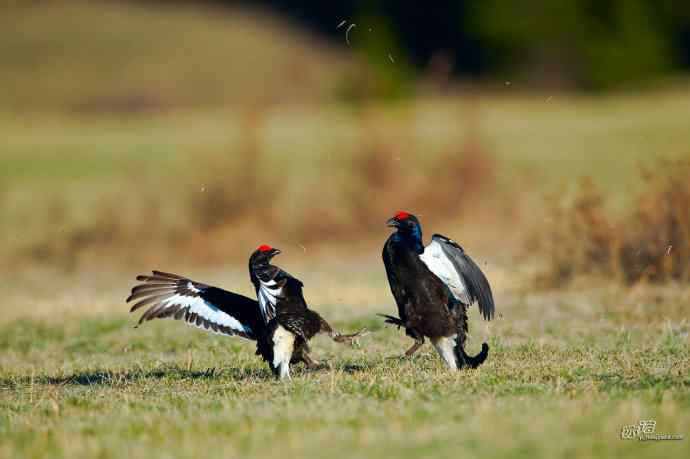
352, 339
317, 365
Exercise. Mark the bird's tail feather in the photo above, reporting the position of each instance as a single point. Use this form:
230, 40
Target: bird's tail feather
472, 361
392, 320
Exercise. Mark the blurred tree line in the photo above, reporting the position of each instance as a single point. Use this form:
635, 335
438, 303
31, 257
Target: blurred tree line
594, 44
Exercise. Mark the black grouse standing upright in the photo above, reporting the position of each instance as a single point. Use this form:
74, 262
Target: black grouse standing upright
433, 287
280, 322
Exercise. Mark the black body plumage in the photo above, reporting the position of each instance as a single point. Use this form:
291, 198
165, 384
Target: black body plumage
433, 286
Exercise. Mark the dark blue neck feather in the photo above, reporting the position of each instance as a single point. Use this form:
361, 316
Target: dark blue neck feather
413, 238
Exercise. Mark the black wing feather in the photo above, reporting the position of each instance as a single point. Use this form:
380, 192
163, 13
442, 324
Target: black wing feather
201, 305
475, 280
396, 288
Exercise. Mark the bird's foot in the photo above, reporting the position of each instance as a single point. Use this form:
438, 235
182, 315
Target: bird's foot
311, 364
316, 365
351, 339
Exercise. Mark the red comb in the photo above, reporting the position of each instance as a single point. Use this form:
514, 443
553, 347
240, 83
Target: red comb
264, 248
402, 215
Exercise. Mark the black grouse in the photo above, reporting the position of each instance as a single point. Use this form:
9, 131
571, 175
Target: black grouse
280, 322
433, 287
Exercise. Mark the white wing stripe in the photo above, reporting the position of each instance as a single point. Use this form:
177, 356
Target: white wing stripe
197, 305
269, 292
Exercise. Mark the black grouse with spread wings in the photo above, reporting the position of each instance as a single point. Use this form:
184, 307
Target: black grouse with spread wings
280, 322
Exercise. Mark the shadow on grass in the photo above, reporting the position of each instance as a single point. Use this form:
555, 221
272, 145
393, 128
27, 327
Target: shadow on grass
354, 368
116, 378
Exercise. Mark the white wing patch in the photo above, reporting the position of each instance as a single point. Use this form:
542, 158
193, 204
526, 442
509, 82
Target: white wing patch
438, 263
197, 305
269, 292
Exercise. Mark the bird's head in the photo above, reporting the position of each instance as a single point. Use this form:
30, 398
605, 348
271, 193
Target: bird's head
406, 222
263, 254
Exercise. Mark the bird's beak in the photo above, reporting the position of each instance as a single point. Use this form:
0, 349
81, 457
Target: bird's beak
276, 252
393, 223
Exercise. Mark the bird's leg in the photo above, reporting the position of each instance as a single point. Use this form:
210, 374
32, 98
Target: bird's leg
301, 354
338, 337
309, 362
417, 344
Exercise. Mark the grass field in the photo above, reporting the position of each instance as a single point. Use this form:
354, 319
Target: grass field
179, 138
566, 371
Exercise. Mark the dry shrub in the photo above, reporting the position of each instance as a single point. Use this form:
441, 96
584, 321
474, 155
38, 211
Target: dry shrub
387, 176
115, 231
649, 241
657, 243
386, 172
232, 186
375, 184
459, 176
577, 236
232, 201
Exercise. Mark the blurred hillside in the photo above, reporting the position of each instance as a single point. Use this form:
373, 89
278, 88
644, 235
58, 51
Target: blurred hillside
556, 43
118, 56
111, 56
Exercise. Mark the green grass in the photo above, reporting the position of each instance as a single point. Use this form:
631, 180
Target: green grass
565, 372
571, 136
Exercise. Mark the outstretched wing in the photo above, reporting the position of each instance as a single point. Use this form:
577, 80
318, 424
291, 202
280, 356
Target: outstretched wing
449, 262
200, 305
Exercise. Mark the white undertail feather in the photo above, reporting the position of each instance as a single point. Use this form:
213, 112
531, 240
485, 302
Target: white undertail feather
446, 349
283, 344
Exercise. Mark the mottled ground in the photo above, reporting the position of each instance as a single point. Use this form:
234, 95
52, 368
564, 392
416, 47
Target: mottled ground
566, 372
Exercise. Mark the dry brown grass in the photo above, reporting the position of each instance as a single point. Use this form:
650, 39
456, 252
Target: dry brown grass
240, 195
391, 173
648, 242
233, 183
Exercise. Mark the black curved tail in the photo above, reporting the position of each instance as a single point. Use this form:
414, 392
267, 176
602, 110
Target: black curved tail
472, 361
392, 320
